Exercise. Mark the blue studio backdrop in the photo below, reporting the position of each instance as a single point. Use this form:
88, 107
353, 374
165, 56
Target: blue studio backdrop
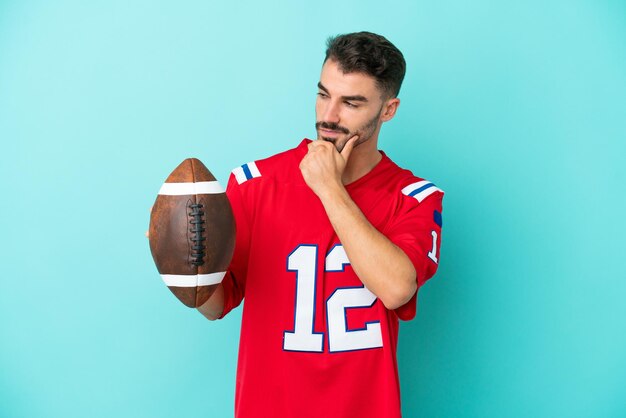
516, 109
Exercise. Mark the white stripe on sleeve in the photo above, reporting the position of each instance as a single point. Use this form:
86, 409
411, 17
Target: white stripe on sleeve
426, 192
240, 176
254, 170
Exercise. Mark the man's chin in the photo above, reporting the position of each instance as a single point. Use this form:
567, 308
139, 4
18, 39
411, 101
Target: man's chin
339, 142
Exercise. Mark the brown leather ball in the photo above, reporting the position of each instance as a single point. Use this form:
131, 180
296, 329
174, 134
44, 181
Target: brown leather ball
192, 232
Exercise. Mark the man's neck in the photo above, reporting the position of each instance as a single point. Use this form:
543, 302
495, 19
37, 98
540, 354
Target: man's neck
361, 162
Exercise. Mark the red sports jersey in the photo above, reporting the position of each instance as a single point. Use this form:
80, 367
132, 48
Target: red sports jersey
314, 341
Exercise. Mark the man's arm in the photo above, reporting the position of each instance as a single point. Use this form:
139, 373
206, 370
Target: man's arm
230, 291
382, 267
212, 309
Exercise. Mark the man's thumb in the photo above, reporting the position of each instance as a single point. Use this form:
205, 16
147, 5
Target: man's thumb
347, 149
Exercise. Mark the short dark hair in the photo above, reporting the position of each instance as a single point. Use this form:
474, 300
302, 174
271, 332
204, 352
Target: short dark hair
369, 53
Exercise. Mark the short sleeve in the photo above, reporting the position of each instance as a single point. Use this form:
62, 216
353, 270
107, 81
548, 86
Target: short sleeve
416, 230
234, 282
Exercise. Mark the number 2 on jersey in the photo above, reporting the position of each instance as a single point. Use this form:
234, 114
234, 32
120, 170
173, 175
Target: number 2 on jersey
303, 261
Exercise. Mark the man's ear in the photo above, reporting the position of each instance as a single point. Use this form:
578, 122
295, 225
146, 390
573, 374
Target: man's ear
389, 109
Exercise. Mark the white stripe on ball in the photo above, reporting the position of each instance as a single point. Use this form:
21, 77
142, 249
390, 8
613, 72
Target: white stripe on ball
193, 280
201, 187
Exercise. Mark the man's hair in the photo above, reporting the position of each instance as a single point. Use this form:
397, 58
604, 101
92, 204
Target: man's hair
371, 54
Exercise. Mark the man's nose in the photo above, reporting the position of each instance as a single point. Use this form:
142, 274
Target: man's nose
331, 112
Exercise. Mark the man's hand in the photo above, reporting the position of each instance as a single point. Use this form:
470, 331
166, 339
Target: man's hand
323, 167
148, 231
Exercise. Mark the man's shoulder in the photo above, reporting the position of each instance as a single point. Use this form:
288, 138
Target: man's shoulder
282, 165
404, 182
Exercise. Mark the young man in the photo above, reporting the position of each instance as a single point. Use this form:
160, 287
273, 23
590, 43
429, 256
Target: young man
333, 241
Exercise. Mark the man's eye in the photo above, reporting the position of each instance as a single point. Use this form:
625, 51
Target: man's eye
352, 105
323, 95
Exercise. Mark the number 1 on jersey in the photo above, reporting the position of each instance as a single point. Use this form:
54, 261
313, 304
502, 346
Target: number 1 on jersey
302, 338
432, 254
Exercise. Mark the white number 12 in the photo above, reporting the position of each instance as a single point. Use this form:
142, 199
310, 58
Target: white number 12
303, 260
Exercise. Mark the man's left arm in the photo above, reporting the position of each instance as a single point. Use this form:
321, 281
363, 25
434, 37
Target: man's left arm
381, 265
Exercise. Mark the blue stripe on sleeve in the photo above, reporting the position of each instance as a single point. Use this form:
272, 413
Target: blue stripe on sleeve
246, 171
424, 187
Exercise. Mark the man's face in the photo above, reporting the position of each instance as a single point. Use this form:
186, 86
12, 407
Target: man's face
347, 105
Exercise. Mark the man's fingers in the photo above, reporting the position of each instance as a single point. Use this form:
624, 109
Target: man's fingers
148, 231
316, 145
347, 149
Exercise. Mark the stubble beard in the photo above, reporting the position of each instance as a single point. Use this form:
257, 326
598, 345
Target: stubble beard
365, 133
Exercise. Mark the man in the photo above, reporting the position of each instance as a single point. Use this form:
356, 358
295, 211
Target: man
333, 241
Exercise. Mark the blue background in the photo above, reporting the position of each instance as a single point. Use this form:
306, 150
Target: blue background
516, 109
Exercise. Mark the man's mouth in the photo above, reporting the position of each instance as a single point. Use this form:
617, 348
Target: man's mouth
329, 132
330, 129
